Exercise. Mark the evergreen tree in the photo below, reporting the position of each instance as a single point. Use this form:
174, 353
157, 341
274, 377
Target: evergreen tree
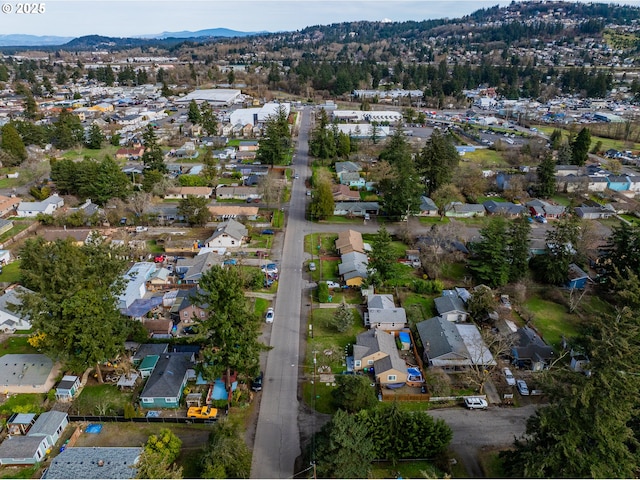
152, 158
490, 261
580, 147
401, 191
344, 449
226, 454
518, 248
396, 149
437, 161
208, 119
342, 318
382, 264
276, 140
195, 210
230, 327
321, 144
546, 177
322, 204
194, 112
67, 130
354, 393
95, 139
12, 144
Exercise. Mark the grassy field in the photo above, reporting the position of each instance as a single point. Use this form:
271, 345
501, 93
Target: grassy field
260, 306
326, 270
19, 472
484, 158
23, 403
329, 346
16, 345
18, 226
11, 272
278, 219
552, 320
454, 272
419, 307
417, 469
327, 242
607, 143
101, 400
80, 153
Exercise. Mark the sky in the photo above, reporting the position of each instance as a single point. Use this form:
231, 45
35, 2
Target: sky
122, 18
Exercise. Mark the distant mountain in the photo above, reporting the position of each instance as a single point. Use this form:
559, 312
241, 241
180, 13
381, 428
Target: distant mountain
18, 40
210, 32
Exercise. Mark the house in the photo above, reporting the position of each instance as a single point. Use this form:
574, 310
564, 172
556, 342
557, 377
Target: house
428, 207
165, 386
10, 319
453, 346
190, 270
352, 179
185, 309
229, 233
349, 241
356, 209
566, 170
545, 209
45, 207
577, 278
5, 257
346, 167
383, 314
506, 209
130, 153
23, 450
26, 373
593, 213
248, 146
94, 462
8, 205
225, 212
464, 210
353, 268
184, 192
80, 236
149, 349
136, 283
147, 365
50, 425
342, 193
158, 327
451, 308
377, 349
67, 388
531, 351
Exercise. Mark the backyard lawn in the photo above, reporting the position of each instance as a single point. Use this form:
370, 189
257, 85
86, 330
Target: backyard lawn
552, 320
101, 400
16, 345
11, 272
484, 158
327, 242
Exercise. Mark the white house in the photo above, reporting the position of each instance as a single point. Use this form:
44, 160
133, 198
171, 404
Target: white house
10, 319
136, 279
230, 233
46, 207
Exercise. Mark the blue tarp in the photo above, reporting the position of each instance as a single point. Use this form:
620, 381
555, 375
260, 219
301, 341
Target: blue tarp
141, 307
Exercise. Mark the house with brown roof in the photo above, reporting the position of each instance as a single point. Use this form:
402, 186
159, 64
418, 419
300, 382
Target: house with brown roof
80, 236
184, 192
349, 241
130, 153
342, 193
232, 211
8, 205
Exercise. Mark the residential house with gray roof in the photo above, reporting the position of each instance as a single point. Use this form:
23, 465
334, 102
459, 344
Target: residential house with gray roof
45, 207
451, 308
377, 349
10, 319
383, 314
51, 425
190, 270
228, 234
353, 268
165, 385
453, 346
94, 462
507, 209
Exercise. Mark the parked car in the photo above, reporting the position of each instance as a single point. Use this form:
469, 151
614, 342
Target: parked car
140, 229
540, 219
190, 330
511, 380
296, 176
521, 385
267, 231
159, 258
308, 193
269, 316
269, 268
312, 267
230, 261
504, 300
331, 284
475, 403
202, 412
256, 385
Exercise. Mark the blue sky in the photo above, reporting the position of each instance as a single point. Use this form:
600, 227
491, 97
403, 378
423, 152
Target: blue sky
121, 18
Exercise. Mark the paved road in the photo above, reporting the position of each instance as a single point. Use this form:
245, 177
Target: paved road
474, 430
277, 442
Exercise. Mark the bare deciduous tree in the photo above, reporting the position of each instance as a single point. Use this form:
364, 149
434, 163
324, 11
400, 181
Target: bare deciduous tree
139, 202
270, 187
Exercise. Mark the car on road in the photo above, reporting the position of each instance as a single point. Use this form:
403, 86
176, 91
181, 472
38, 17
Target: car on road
256, 385
140, 229
331, 284
521, 385
475, 403
312, 266
267, 231
511, 380
269, 316
308, 193
296, 176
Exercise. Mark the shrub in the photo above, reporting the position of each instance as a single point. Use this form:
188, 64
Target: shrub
323, 293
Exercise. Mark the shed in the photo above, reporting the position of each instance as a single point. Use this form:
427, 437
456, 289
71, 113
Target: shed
577, 278
67, 388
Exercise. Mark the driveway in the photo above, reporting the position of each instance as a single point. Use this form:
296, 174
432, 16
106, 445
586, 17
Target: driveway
475, 430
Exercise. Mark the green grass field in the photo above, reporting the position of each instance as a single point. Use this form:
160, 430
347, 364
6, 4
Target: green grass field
80, 153
484, 158
11, 272
101, 400
552, 320
607, 143
23, 403
16, 345
326, 241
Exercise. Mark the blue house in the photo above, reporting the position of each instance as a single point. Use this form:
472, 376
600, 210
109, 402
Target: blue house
618, 183
577, 278
166, 384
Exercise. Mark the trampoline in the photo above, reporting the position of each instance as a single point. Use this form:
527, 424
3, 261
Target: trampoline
94, 428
